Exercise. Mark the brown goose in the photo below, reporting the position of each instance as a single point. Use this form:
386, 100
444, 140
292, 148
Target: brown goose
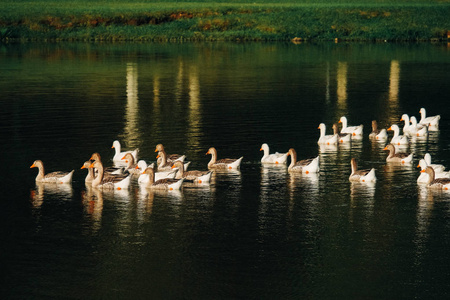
109, 182
342, 137
55, 177
193, 175
361, 175
436, 183
378, 134
224, 163
306, 166
162, 184
397, 157
170, 157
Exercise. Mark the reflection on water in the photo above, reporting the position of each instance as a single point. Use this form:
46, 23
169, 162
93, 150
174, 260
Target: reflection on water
258, 232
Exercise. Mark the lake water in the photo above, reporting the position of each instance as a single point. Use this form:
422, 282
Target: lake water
256, 233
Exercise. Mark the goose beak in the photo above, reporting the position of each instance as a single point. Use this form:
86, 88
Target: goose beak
123, 157
91, 166
83, 167
33, 166
423, 171
385, 148
390, 128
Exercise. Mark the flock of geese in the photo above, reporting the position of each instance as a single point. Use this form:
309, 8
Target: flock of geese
172, 170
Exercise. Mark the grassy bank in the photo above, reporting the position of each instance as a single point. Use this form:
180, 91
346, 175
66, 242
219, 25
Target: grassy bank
99, 20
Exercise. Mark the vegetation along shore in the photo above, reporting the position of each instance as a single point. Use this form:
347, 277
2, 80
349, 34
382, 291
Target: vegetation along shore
232, 20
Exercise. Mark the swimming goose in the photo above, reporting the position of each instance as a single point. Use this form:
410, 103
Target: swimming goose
397, 157
419, 130
193, 175
436, 183
274, 158
306, 166
118, 155
55, 177
354, 130
407, 126
432, 122
361, 175
108, 170
164, 164
438, 172
326, 139
437, 167
378, 134
162, 184
342, 137
398, 139
90, 175
109, 182
143, 178
131, 165
224, 163
170, 157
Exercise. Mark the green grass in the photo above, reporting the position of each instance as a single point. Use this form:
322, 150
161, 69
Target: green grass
223, 20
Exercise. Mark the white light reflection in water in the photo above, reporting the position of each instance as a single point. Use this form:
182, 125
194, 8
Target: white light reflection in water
341, 91
195, 111
131, 134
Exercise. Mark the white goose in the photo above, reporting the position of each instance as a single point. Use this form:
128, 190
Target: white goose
143, 178
162, 184
424, 177
398, 139
397, 157
436, 183
361, 175
164, 164
53, 177
274, 158
224, 163
193, 175
118, 182
118, 154
378, 134
418, 130
303, 166
437, 167
354, 130
342, 137
432, 122
407, 126
326, 139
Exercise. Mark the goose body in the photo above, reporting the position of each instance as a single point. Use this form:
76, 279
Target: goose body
361, 175
53, 177
107, 170
117, 182
416, 129
424, 177
378, 134
342, 137
436, 183
164, 164
353, 130
326, 139
192, 175
432, 122
144, 178
170, 157
131, 165
119, 154
398, 139
306, 166
162, 184
436, 167
224, 163
274, 158
397, 157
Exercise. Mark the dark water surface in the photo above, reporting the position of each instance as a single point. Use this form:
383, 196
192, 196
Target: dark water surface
257, 233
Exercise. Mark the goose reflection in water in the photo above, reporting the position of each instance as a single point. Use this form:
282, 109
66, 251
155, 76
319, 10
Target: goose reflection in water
43, 189
92, 200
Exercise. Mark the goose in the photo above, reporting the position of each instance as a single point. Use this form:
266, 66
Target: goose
108, 170
164, 164
354, 130
378, 134
224, 163
193, 175
304, 166
274, 158
55, 177
118, 155
419, 130
432, 122
131, 165
397, 157
436, 183
90, 175
407, 126
342, 137
109, 182
143, 178
437, 167
398, 139
326, 139
162, 184
361, 175
170, 157
423, 177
